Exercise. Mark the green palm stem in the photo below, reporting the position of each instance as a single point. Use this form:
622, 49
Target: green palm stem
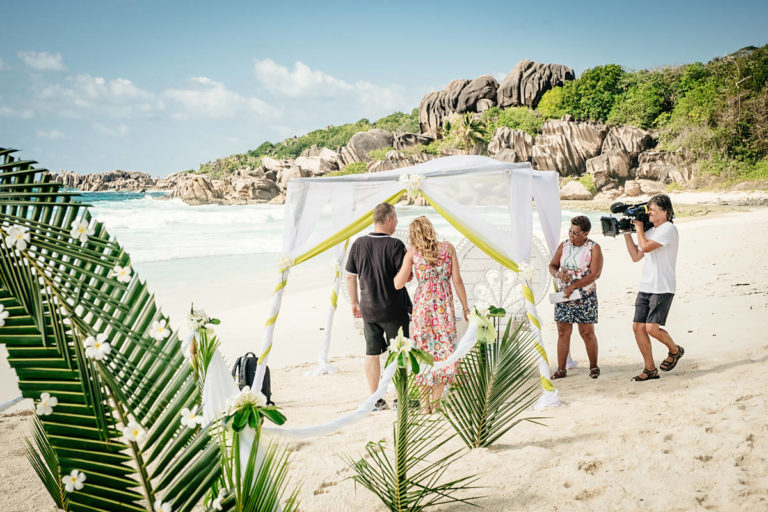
135, 450
401, 441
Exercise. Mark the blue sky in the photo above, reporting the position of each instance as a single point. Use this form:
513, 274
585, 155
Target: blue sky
161, 87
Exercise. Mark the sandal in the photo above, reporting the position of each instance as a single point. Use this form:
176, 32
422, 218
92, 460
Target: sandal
559, 374
666, 365
594, 372
649, 375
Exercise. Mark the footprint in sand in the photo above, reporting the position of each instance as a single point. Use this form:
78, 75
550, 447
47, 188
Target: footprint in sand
323, 487
589, 466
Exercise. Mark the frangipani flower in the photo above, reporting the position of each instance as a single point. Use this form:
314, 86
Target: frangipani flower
190, 418
401, 344
81, 231
159, 331
3, 315
73, 481
198, 319
18, 236
97, 348
526, 271
122, 274
133, 432
162, 507
46, 404
217, 502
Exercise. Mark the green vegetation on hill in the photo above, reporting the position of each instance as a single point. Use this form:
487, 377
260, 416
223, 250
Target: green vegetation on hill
717, 111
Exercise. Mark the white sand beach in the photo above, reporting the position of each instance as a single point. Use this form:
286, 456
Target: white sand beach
697, 439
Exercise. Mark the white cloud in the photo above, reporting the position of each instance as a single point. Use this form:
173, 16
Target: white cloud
118, 98
51, 134
211, 99
16, 113
305, 83
42, 61
118, 131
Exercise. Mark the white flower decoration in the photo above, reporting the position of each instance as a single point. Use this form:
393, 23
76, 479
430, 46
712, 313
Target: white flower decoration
405, 346
411, 183
247, 397
197, 319
133, 432
3, 315
97, 348
190, 418
284, 262
162, 507
122, 274
217, 502
46, 404
483, 308
81, 231
73, 481
159, 330
18, 236
526, 271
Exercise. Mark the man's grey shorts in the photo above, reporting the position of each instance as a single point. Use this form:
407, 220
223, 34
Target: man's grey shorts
378, 334
652, 308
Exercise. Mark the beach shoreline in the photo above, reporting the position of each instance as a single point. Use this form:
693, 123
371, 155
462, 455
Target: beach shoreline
695, 439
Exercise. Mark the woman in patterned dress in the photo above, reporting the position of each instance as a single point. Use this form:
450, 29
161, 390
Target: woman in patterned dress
577, 264
433, 325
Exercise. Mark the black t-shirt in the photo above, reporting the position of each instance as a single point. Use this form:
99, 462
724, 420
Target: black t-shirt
376, 258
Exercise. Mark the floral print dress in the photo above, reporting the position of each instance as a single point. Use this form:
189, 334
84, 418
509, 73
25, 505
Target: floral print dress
433, 325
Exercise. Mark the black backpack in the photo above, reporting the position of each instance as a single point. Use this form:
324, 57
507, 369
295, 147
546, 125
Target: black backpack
244, 371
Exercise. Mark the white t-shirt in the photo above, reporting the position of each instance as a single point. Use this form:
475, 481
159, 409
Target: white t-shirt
659, 270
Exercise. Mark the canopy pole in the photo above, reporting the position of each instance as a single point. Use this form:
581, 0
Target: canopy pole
269, 325
323, 367
549, 393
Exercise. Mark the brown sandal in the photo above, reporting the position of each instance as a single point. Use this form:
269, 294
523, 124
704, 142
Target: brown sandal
666, 366
649, 375
594, 372
559, 374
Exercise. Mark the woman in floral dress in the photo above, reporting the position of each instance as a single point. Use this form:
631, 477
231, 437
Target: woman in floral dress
433, 325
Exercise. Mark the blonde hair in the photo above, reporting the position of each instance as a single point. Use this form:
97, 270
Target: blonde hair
422, 237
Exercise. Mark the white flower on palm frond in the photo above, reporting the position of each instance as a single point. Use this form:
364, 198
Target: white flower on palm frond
46, 404
81, 230
122, 274
217, 502
133, 432
401, 344
17, 236
162, 507
190, 418
248, 397
159, 330
3, 315
73, 481
97, 348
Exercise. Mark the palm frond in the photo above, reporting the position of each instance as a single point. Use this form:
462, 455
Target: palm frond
46, 464
409, 476
59, 290
494, 386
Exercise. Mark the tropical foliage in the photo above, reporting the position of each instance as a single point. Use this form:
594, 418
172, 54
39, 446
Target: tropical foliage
495, 384
409, 475
90, 346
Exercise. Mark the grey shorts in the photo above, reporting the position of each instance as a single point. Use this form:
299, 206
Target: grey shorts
378, 334
652, 308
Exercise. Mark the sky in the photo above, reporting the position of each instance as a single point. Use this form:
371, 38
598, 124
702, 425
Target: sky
163, 86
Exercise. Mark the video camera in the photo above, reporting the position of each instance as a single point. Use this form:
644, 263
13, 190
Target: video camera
613, 226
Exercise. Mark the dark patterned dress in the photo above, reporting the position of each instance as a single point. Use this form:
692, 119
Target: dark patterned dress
433, 325
575, 261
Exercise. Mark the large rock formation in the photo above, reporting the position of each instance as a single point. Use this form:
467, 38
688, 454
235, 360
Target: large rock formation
362, 143
565, 145
630, 140
482, 88
574, 190
110, 180
407, 140
510, 145
397, 159
436, 106
528, 81
665, 166
609, 167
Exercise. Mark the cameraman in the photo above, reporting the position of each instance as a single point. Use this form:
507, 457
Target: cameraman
657, 284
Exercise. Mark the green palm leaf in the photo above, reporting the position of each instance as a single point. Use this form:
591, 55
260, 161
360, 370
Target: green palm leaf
58, 291
496, 383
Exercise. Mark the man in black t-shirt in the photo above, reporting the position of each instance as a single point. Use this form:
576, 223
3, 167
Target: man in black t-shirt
373, 261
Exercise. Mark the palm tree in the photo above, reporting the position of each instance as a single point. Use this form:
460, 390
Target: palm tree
469, 132
82, 327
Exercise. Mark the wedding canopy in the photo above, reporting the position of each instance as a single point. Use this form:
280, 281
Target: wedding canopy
488, 201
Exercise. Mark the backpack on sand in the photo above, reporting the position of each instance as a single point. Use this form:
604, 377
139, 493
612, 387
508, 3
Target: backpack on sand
244, 371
